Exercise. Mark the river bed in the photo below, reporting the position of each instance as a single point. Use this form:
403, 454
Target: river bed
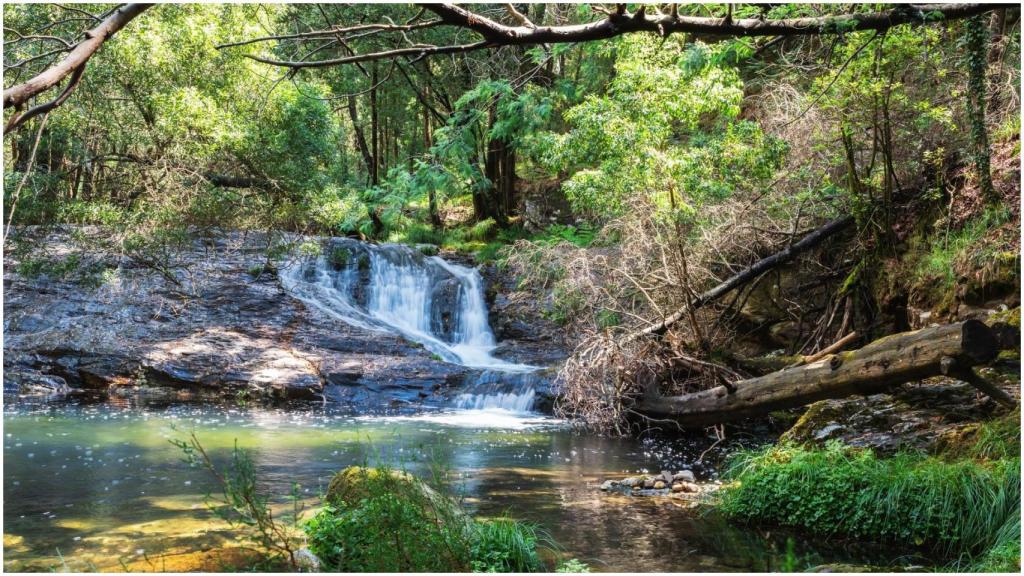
98, 485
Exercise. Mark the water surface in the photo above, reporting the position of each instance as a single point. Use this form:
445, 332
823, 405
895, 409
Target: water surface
97, 486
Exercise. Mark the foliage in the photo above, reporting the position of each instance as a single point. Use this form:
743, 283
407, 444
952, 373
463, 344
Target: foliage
667, 128
941, 261
956, 508
383, 520
504, 545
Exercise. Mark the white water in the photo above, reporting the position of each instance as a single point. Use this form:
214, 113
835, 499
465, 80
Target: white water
428, 300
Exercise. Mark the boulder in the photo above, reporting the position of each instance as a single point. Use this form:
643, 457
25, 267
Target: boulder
357, 483
32, 382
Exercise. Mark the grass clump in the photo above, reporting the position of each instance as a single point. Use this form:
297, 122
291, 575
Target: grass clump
382, 520
958, 509
504, 545
939, 263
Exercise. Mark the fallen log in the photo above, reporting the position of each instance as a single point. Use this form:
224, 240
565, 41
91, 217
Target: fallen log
952, 350
763, 265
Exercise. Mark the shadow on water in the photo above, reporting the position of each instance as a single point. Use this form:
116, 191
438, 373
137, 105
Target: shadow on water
102, 484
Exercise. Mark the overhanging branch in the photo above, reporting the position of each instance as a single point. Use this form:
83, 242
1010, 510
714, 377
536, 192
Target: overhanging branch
616, 23
75, 61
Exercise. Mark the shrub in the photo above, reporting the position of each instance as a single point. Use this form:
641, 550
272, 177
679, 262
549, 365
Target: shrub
386, 532
565, 304
382, 520
420, 234
953, 508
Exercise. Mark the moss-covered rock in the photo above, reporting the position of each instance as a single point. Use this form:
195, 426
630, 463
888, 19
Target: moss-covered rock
357, 483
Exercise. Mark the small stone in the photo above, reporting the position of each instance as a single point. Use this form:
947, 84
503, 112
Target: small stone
636, 487
689, 487
607, 485
648, 483
677, 487
684, 476
659, 485
630, 482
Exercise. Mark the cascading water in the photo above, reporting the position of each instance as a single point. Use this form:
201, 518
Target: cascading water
441, 305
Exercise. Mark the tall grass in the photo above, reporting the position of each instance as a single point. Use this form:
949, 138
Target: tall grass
505, 545
945, 252
957, 509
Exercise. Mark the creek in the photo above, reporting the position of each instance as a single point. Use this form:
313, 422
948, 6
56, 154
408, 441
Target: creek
92, 482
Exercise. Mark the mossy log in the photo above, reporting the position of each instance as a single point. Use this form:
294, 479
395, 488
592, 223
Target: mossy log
952, 350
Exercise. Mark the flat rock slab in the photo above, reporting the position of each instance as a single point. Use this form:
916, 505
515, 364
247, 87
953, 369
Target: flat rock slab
220, 328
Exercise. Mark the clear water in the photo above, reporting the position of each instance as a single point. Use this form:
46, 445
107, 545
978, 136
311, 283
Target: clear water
98, 486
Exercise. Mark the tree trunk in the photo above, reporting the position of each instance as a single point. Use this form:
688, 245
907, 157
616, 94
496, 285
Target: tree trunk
360, 138
435, 218
374, 129
952, 349
499, 169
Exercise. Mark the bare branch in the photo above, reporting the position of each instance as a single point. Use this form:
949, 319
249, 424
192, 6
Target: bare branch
362, 29
615, 23
417, 52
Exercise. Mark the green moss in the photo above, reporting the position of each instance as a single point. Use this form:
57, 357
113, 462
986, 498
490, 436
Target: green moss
338, 257
1010, 317
993, 440
383, 520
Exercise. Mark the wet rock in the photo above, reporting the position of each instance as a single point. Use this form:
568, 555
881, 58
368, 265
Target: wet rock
659, 485
221, 331
677, 487
689, 487
684, 476
648, 483
445, 297
33, 382
608, 485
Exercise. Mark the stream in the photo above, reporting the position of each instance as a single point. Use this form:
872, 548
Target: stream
98, 484
93, 483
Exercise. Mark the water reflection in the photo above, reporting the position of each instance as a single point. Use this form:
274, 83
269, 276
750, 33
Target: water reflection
102, 485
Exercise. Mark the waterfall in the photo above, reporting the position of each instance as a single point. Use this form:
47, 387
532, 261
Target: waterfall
394, 288
492, 389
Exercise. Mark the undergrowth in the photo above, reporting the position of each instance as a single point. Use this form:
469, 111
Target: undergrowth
962, 509
940, 262
382, 520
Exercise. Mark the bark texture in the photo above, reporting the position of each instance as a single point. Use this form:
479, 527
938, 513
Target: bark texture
952, 349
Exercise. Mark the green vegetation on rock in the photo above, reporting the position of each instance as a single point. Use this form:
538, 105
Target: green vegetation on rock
384, 520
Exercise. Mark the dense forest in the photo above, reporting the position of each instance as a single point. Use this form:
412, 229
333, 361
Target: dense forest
700, 219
